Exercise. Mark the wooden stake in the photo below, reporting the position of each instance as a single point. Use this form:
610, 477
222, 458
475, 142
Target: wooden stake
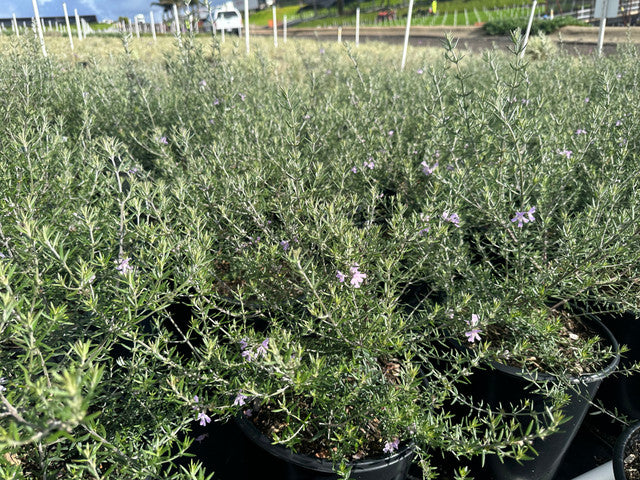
152, 26
66, 19
39, 26
406, 35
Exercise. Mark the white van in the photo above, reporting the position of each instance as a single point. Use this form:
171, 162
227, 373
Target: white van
227, 18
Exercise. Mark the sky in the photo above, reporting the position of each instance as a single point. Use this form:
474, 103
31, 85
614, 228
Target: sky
104, 9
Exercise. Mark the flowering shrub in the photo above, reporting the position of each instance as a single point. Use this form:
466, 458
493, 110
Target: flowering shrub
303, 257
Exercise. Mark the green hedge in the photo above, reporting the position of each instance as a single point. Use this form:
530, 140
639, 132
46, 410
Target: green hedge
507, 25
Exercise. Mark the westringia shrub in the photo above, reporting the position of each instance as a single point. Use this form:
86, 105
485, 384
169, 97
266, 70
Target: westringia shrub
296, 237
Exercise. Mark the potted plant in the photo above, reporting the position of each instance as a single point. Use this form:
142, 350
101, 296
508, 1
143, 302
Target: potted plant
626, 454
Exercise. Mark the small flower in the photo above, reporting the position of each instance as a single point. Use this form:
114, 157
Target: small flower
242, 96
618, 123
262, 349
530, 213
307, 117
369, 164
453, 218
391, 446
243, 344
340, 276
163, 140
216, 102
247, 355
420, 71
322, 51
474, 320
357, 277
122, 265
203, 83
391, 132
473, 335
354, 169
426, 169
520, 218
565, 153
586, 100
248, 413
200, 438
284, 244
204, 418
196, 399
423, 232
618, 75
580, 131
239, 400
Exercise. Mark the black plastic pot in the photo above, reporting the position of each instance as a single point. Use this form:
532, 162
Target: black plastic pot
505, 385
304, 467
619, 449
622, 392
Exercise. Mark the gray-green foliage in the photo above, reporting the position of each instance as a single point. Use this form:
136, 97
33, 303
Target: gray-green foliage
158, 221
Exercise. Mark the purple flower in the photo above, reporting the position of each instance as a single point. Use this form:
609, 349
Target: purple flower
340, 276
423, 232
565, 152
122, 265
391, 133
247, 355
243, 344
239, 400
354, 169
307, 117
284, 244
369, 164
216, 102
618, 123
580, 131
420, 71
204, 418
200, 438
322, 51
203, 83
453, 218
474, 320
586, 100
242, 96
530, 213
163, 140
391, 446
196, 399
262, 349
248, 412
473, 335
426, 169
357, 277
520, 218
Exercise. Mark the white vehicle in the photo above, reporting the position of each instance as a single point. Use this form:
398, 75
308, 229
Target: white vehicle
225, 18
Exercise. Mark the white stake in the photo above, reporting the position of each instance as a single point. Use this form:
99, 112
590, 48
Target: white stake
526, 35
66, 19
603, 23
135, 19
79, 30
222, 33
152, 26
15, 20
176, 18
39, 26
275, 26
284, 29
406, 35
246, 24
357, 26
339, 34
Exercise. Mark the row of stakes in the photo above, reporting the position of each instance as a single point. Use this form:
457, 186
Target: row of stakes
83, 28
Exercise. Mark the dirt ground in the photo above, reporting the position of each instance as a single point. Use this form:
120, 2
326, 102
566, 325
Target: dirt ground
581, 40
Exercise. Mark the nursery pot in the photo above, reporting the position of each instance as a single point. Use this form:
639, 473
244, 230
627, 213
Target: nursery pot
623, 392
505, 385
631, 433
303, 467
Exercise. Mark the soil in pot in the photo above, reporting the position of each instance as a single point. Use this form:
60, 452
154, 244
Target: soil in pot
626, 454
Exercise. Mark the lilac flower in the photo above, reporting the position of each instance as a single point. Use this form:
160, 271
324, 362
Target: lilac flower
239, 400
369, 164
354, 169
340, 276
204, 418
565, 153
203, 83
420, 71
618, 123
453, 218
580, 131
243, 344
211, 121
391, 446
248, 412
200, 438
391, 132
530, 213
307, 117
520, 218
262, 349
474, 320
196, 399
423, 232
163, 140
216, 102
586, 100
122, 265
322, 51
357, 277
247, 355
242, 96
284, 244
473, 335
426, 169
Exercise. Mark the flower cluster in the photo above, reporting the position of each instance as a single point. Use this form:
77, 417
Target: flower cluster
524, 217
357, 277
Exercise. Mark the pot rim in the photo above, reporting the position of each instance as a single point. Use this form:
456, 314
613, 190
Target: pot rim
618, 450
317, 464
